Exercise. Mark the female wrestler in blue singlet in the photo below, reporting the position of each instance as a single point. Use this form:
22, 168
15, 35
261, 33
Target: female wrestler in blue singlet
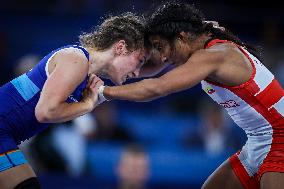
53, 90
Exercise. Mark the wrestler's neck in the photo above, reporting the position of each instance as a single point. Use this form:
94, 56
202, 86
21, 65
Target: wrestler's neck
99, 61
198, 43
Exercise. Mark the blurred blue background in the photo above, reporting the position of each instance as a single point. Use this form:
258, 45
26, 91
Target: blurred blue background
174, 142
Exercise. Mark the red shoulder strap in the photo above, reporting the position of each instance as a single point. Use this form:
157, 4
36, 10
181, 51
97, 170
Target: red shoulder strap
214, 41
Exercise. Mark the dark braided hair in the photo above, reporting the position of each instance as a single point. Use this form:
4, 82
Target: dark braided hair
127, 26
171, 18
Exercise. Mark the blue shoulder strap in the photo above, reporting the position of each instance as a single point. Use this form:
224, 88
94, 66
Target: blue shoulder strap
83, 49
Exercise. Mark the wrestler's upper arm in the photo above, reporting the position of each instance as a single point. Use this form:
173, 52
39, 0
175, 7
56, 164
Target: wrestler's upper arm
70, 70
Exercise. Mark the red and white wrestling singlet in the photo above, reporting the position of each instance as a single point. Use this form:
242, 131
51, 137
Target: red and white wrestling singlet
256, 106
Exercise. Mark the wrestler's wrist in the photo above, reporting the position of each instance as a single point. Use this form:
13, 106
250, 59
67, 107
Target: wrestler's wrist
101, 96
108, 93
88, 104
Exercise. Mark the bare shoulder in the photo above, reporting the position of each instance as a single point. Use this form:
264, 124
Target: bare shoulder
67, 57
226, 50
74, 55
219, 54
234, 69
210, 56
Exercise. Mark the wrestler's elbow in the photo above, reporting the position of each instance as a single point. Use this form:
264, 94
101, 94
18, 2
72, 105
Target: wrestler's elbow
41, 115
45, 113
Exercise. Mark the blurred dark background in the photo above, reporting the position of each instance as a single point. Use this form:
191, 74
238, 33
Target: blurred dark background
174, 142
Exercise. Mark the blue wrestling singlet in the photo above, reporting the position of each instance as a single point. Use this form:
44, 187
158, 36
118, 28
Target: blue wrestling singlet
18, 99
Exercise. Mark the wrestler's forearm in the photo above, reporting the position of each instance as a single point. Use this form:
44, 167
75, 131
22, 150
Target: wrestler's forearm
62, 112
145, 90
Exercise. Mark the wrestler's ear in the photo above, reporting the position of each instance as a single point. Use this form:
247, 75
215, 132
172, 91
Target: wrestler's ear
120, 47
